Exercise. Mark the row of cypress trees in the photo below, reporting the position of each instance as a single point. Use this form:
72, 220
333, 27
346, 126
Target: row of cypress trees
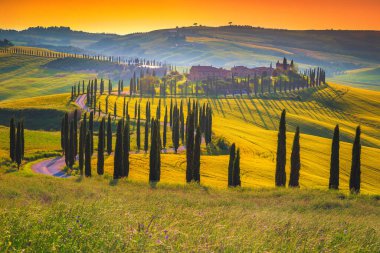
295, 161
16, 141
69, 138
202, 115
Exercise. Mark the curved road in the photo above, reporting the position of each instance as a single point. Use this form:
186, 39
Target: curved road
52, 167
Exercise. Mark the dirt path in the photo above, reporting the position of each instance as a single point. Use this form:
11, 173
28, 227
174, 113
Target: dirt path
53, 167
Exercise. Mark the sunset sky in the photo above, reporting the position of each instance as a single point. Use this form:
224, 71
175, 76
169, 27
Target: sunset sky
118, 16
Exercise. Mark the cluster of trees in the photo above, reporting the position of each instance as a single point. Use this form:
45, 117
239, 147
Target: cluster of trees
202, 116
84, 149
260, 85
16, 141
147, 82
5, 43
295, 161
198, 124
69, 137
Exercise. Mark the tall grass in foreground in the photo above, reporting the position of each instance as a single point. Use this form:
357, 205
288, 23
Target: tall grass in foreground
40, 213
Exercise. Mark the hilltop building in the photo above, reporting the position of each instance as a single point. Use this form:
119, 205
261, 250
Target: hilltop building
242, 71
198, 73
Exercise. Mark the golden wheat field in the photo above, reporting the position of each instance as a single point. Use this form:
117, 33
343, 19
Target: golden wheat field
252, 125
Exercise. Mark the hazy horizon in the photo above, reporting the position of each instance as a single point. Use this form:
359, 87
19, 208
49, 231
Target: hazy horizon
173, 27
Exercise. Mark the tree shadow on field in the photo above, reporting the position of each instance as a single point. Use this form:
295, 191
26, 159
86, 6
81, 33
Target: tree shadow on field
259, 113
266, 111
221, 107
228, 103
250, 111
241, 111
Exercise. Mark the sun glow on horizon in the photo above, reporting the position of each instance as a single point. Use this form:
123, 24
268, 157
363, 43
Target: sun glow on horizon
122, 17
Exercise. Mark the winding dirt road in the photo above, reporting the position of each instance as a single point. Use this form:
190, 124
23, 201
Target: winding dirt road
52, 167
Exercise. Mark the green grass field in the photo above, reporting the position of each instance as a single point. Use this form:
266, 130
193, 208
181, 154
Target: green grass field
40, 213
367, 78
252, 125
23, 77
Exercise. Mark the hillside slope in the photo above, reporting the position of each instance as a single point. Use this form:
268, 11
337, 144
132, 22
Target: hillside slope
220, 46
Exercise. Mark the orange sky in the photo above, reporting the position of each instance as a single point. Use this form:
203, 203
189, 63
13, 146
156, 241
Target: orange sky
118, 16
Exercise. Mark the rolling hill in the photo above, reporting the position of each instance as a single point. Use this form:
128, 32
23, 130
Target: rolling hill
99, 213
220, 46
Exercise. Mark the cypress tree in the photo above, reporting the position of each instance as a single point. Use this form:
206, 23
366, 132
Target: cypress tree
146, 133
118, 157
334, 163
281, 153
138, 129
101, 135
22, 140
114, 111
107, 105
146, 136
182, 124
236, 170
12, 139
158, 112
126, 141
87, 168
63, 135
135, 109
197, 156
75, 132
91, 130
18, 156
109, 87
82, 137
155, 153
208, 125
124, 108
71, 154
189, 147
175, 129
171, 113
295, 161
152, 156
165, 126
231, 165
355, 166
66, 136
109, 135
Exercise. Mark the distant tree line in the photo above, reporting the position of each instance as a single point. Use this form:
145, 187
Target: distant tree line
5, 43
130, 61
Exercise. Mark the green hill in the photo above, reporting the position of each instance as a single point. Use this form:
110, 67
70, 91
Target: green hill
368, 78
221, 46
